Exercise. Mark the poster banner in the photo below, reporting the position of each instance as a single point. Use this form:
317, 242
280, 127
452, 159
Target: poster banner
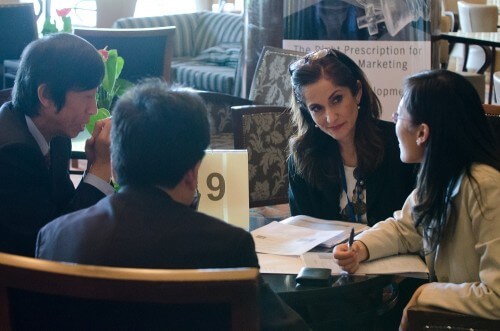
223, 185
388, 39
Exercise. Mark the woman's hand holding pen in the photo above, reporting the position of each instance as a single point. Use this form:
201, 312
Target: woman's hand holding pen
349, 259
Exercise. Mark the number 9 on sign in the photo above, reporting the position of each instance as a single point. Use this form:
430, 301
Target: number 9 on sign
223, 183
217, 184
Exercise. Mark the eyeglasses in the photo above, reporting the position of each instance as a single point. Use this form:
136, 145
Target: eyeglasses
314, 56
395, 117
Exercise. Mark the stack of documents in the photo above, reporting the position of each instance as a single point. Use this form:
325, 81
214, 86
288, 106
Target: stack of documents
285, 239
342, 229
283, 248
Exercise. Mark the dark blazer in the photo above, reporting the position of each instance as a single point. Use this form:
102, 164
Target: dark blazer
145, 228
31, 194
386, 188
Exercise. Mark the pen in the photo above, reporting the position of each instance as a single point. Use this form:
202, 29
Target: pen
351, 239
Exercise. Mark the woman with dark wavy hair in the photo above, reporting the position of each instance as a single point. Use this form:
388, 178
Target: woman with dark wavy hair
344, 162
453, 215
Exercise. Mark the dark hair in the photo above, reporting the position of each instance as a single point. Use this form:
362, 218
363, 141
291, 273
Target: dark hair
158, 133
459, 136
316, 155
62, 61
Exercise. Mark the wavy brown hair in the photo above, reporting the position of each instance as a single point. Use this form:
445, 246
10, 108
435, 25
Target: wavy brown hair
315, 154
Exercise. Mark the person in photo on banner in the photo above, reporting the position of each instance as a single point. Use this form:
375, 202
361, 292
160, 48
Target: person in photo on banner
344, 161
356, 19
453, 215
158, 139
53, 97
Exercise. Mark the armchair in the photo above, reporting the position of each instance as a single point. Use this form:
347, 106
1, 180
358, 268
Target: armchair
45, 295
260, 124
271, 86
207, 47
18, 29
147, 52
476, 17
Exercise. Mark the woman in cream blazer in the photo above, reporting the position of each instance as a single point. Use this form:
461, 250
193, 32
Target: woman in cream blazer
453, 215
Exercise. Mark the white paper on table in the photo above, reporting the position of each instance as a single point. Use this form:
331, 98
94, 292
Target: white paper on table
396, 264
284, 239
344, 228
279, 264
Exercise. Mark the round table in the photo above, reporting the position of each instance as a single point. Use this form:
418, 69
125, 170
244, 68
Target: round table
349, 302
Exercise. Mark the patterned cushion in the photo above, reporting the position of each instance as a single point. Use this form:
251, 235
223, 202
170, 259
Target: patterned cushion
221, 55
271, 83
266, 138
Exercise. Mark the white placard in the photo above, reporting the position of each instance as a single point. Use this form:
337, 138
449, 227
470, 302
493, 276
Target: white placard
223, 184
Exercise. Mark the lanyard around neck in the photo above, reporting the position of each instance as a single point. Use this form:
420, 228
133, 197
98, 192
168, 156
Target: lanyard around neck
353, 217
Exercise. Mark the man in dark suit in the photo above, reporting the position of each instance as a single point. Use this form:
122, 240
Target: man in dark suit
52, 100
159, 136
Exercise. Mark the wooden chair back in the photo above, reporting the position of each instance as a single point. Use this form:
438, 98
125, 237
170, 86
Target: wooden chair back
493, 115
46, 295
147, 52
425, 319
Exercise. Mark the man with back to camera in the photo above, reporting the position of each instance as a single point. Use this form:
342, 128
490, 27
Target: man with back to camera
159, 136
53, 97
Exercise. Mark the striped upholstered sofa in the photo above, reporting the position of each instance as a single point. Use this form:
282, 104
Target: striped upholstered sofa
206, 50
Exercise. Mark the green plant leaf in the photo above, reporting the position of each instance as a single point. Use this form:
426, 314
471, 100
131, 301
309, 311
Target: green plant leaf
120, 62
49, 27
110, 72
101, 114
67, 26
122, 85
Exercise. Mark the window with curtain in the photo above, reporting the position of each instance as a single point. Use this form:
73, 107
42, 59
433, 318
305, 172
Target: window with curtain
84, 11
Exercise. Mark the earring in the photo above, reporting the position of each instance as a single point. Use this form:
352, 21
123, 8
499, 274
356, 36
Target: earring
316, 126
359, 107
419, 141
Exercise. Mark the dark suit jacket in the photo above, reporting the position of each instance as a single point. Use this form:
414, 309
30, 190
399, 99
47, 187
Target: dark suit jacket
386, 188
31, 194
145, 228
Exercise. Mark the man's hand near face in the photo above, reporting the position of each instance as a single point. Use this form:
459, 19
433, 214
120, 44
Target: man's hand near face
98, 152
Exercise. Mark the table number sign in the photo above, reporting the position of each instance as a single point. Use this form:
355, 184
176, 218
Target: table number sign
223, 185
